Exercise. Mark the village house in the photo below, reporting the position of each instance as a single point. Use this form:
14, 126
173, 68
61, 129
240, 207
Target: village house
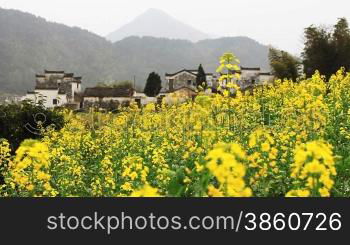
185, 78
56, 88
255, 76
250, 77
104, 97
179, 95
142, 99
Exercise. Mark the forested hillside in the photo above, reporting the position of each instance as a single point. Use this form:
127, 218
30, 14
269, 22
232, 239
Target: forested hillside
29, 44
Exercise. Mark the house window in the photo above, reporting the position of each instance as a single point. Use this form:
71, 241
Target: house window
189, 82
138, 101
55, 101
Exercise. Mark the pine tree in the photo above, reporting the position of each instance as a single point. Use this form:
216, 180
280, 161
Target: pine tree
201, 79
153, 85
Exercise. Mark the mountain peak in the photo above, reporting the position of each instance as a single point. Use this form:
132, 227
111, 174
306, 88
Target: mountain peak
154, 11
153, 14
157, 23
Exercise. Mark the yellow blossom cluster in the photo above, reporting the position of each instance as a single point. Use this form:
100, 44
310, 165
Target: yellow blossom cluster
146, 191
4, 152
314, 167
29, 171
225, 163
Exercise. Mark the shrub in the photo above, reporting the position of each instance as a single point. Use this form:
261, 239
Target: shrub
26, 121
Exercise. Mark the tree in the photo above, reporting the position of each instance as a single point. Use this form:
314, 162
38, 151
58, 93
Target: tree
327, 51
341, 43
283, 64
318, 52
201, 79
153, 85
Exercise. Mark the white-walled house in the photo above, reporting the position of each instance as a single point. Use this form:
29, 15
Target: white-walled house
49, 97
255, 75
265, 77
185, 78
55, 88
250, 77
142, 99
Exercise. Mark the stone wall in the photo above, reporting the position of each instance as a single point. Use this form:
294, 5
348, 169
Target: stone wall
182, 80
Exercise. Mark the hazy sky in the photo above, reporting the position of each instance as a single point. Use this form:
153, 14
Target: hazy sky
276, 22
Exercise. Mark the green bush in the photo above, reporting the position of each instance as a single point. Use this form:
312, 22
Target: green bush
25, 121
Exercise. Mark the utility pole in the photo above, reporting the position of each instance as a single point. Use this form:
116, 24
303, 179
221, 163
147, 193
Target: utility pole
134, 82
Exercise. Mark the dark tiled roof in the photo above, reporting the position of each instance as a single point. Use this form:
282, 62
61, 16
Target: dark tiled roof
195, 71
54, 72
77, 79
68, 74
184, 70
45, 88
51, 83
250, 68
108, 92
